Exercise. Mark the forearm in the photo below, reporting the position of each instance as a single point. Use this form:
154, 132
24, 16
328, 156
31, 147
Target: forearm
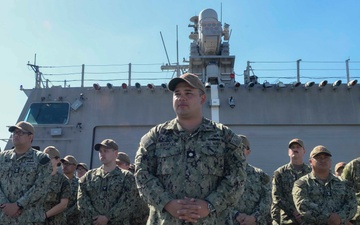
57, 208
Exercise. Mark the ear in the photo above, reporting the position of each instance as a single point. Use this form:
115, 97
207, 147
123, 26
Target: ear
203, 98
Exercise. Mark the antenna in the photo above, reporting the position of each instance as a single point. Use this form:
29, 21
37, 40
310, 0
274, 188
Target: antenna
176, 68
167, 56
177, 52
37, 73
221, 13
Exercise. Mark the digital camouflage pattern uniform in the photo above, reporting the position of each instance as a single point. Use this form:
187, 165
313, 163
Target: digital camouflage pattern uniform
141, 211
282, 207
208, 164
110, 194
351, 173
256, 199
315, 200
24, 180
59, 188
72, 213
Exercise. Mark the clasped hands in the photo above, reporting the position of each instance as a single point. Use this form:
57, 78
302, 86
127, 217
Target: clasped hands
188, 209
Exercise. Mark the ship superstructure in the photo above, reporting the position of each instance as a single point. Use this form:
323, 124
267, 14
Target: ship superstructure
75, 118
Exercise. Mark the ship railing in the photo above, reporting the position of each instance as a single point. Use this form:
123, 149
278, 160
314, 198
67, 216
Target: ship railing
300, 71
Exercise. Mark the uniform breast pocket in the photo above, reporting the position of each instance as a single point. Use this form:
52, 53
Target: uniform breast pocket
211, 159
169, 156
93, 186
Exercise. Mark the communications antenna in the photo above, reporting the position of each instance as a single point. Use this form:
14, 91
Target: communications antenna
38, 74
177, 68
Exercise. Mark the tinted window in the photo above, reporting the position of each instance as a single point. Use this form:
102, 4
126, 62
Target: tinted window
48, 113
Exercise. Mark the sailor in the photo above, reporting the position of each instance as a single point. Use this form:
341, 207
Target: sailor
190, 169
123, 161
283, 210
25, 174
320, 197
141, 212
59, 192
338, 169
351, 173
106, 194
254, 205
81, 169
69, 164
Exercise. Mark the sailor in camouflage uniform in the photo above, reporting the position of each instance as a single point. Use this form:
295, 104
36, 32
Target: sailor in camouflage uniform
141, 212
69, 165
254, 205
351, 173
59, 191
283, 210
106, 194
25, 174
322, 198
190, 169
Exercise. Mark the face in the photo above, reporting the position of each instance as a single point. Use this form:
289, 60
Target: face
20, 138
296, 151
80, 171
107, 155
321, 163
122, 165
68, 168
339, 171
55, 162
187, 101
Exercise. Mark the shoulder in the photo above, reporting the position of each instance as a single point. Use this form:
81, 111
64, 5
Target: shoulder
154, 132
63, 179
302, 181
222, 131
127, 175
355, 163
42, 157
281, 170
264, 178
6, 153
89, 175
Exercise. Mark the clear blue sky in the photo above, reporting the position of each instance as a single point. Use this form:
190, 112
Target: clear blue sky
89, 32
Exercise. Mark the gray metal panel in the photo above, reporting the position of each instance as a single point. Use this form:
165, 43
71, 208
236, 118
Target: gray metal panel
127, 137
269, 144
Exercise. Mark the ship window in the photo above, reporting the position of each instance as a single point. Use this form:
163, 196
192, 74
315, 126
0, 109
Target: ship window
48, 113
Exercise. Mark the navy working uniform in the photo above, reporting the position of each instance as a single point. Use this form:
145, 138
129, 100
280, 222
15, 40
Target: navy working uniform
207, 164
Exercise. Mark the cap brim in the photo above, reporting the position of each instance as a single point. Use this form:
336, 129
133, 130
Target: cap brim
78, 165
12, 128
97, 147
325, 153
172, 84
295, 142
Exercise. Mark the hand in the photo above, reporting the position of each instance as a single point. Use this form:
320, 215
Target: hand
187, 209
297, 216
100, 220
244, 219
334, 219
11, 209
